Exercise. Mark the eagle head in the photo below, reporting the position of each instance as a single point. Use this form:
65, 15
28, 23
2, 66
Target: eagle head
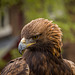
43, 32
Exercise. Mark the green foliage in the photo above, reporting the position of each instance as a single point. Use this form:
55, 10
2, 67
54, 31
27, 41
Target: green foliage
70, 7
35, 9
8, 2
50, 9
2, 64
68, 30
15, 53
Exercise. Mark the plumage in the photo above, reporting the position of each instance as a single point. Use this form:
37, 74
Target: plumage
42, 41
15, 67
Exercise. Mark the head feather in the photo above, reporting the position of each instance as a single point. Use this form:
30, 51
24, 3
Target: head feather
50, 32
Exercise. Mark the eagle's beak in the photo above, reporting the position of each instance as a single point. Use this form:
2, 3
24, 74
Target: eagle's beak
23, 45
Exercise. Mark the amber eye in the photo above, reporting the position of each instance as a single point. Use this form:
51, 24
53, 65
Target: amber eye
35, 37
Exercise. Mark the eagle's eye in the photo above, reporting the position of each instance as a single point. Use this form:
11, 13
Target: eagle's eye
34, 37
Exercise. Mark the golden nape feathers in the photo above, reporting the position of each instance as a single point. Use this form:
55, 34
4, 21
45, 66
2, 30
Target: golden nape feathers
42, 42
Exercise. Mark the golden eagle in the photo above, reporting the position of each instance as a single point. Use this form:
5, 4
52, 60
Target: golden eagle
42, 42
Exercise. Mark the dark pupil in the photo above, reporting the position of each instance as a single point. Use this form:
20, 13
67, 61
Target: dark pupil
35, 37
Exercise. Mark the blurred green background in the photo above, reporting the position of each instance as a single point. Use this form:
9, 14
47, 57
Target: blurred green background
14, 14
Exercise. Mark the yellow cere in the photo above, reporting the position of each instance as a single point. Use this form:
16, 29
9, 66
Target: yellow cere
30, 44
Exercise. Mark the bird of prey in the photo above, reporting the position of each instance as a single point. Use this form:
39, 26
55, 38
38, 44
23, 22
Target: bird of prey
41, 43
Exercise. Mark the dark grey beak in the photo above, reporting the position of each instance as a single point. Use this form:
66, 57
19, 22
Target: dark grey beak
22, 46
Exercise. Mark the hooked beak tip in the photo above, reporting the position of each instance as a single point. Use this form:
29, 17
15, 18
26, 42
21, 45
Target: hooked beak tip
21, 47
20, 52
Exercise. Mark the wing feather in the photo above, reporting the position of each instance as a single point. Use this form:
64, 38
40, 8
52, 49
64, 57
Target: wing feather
16, 67
71, 65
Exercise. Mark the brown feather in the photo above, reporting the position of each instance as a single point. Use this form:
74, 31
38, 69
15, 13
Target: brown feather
71, 65
16, 67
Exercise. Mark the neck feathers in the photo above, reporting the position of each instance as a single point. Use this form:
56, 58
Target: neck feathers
49, 48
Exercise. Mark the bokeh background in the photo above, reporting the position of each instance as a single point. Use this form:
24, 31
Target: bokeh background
14, 14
